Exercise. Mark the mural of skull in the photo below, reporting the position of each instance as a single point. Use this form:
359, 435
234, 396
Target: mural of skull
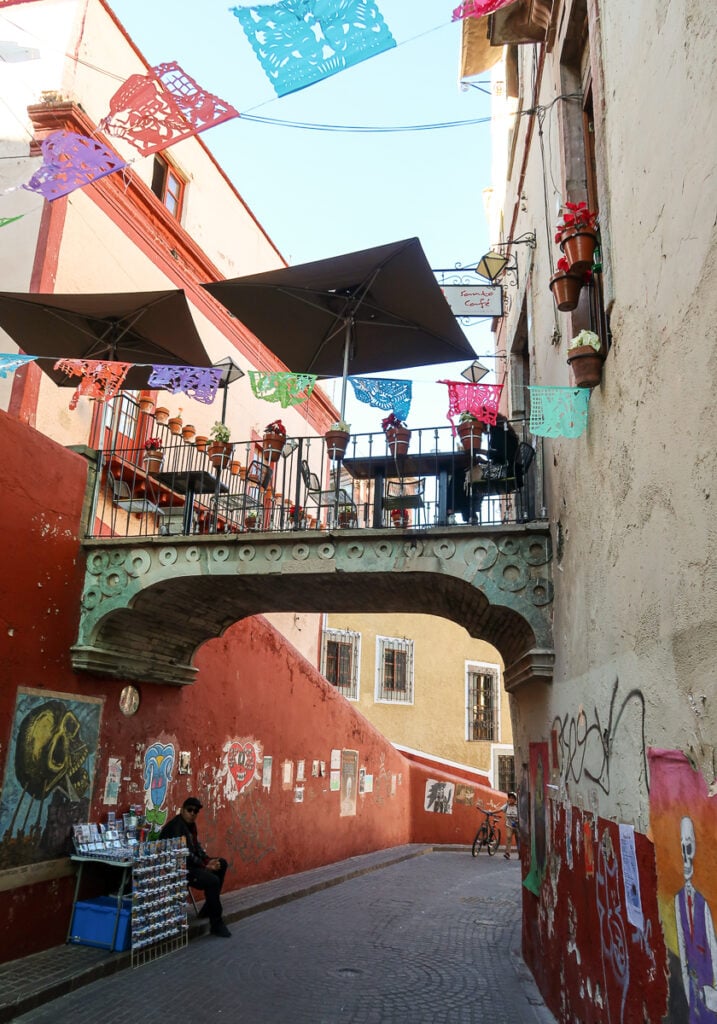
51, 753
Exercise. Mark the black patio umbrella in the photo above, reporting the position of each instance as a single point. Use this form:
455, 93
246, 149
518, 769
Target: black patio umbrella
377, 309
128, 327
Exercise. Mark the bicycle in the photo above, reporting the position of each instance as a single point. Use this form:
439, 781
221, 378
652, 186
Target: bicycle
488, 834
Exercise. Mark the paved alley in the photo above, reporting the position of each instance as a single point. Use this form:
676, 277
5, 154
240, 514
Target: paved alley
434, 939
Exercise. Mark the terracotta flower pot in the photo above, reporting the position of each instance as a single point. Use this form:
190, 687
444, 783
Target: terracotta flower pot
234, 467
470, 434
578, 247
161, 414
273, 443
336, 443
146, 405
398, 439
175, 425
188, 432
153, 461
586, 365
346, 518
566, 288
400, 518
201, 442
220, 453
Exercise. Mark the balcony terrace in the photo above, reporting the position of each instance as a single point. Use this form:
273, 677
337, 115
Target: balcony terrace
176, 553
252, 490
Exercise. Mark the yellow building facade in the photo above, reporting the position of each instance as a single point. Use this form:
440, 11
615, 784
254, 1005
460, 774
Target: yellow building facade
426, 685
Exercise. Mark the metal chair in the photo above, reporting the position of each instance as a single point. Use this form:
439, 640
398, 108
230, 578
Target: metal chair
404, 494
249, 499
124, 498
333, 499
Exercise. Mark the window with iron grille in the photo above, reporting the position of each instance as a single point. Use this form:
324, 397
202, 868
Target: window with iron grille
394, 670
506, 773
340, 660
483, 703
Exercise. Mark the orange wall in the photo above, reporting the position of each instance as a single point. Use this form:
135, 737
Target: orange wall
253, 687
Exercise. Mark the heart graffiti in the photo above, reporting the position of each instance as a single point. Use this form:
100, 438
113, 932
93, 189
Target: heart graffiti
241, 759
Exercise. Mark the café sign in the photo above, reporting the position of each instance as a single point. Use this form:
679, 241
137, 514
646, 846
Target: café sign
474, 299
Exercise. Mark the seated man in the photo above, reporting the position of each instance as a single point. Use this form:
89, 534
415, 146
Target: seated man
503, 445
203, 872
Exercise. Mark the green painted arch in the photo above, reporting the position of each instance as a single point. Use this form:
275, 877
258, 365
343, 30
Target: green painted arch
146, 608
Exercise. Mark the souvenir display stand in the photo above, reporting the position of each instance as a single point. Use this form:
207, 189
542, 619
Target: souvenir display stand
152, 919
159, 900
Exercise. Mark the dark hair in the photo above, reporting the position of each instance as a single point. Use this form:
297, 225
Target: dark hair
192, 801
512, 795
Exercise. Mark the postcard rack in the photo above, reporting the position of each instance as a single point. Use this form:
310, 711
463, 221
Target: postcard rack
159, 900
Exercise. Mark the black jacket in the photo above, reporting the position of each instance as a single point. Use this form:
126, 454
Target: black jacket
178, 827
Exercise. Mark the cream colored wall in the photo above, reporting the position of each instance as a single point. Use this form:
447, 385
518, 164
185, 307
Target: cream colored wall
631, 501
436, 721
95, 255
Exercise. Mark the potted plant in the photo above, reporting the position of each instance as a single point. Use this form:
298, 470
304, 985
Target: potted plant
250, 520
296, 516
200, 442
576, 234
337, 439
234, 467
153, 454
400, 517
566, 285
146, 405
161, 414
346, 516
585, 358
470, 430
219, 450
397, 434
175, 423
274, 440
188, 432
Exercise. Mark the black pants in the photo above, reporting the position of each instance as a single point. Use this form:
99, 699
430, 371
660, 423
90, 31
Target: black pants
211, 882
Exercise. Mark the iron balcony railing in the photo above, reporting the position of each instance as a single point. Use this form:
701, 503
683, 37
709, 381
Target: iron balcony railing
436, 484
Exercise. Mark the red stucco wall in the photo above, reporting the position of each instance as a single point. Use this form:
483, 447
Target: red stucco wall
253, 687
590, 962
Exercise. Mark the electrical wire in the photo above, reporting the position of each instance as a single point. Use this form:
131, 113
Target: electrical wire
313, 126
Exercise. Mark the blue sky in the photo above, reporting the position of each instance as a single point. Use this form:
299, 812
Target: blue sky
319, 194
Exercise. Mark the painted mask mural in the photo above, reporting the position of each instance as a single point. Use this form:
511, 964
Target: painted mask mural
241, 761
158, 764
49, 772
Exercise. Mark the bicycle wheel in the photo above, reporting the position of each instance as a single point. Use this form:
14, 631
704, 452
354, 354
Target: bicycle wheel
494, 841
477, 843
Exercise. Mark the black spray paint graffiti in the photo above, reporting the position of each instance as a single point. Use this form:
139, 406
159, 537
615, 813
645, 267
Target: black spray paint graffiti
585, 748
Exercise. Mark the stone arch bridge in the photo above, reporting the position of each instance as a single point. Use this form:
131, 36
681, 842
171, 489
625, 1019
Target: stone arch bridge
147, 604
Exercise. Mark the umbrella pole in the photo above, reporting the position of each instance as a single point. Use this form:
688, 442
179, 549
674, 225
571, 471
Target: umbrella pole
344, 376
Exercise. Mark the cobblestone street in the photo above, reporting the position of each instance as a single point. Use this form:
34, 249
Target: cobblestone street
432, 940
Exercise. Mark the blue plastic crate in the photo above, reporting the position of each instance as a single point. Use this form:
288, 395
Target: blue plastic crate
93, 923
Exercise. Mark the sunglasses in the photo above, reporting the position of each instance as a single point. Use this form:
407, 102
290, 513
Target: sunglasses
192, 810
